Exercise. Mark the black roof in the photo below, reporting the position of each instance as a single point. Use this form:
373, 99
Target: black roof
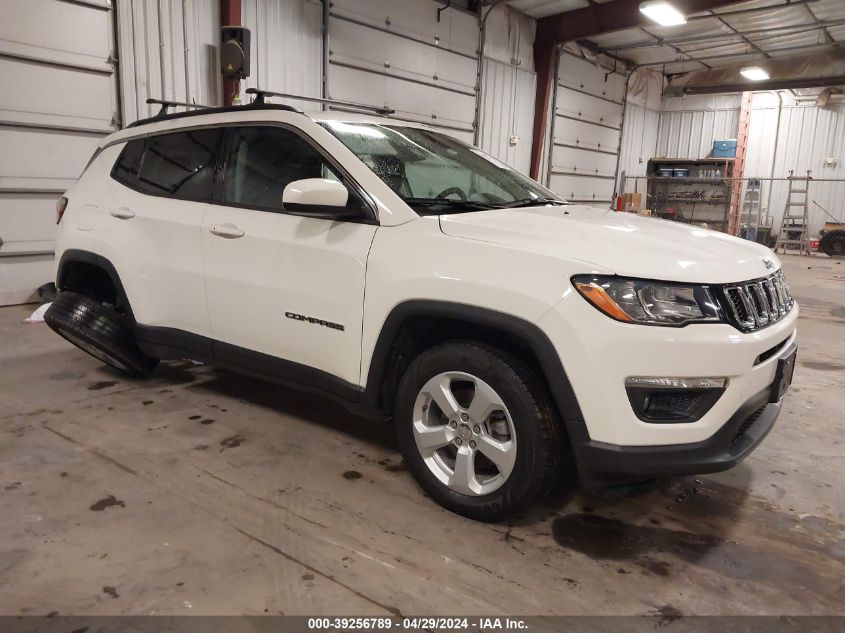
199, 112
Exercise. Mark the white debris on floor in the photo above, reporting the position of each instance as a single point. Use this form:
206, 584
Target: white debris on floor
38, 315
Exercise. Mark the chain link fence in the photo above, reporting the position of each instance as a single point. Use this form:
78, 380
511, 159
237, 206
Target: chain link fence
758, 204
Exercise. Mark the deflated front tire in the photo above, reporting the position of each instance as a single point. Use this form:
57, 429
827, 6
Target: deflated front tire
99, 330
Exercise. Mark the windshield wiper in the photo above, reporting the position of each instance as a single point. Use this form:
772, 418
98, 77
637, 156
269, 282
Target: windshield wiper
448, 204
530, 202
452, 205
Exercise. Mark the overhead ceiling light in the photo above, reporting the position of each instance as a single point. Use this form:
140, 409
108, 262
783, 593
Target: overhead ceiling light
754, 73
662, 12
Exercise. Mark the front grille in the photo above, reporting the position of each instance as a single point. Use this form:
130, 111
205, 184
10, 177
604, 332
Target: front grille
754, 304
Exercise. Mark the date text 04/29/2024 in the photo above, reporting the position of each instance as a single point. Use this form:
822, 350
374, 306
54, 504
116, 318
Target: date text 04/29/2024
415, 623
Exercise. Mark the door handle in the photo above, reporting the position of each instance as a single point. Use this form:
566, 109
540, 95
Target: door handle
229, 231
122, 213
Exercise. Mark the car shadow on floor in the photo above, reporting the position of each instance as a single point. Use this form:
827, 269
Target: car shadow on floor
685, 516
313, 408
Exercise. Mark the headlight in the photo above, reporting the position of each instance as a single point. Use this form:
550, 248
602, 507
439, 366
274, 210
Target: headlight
649, 302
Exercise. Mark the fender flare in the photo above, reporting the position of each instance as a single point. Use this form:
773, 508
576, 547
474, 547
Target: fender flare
71, 256
531, 334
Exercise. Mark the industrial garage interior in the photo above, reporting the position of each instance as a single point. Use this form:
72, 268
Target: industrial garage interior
705, 133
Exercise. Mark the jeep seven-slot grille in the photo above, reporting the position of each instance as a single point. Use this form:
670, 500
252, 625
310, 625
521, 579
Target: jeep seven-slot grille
755, 304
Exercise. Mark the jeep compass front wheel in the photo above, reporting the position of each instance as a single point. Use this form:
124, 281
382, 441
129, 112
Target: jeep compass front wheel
476, 430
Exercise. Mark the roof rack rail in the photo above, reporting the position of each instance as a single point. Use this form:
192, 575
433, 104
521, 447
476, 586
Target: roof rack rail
172, 104
199, 110
261, 94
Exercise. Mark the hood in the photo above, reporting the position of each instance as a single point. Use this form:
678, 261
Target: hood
626, 244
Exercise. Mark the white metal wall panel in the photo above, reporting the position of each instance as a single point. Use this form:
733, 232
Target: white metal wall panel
639, 140
60, 97
287, 47
587, 128
807, 135
398, 54
507, 113
794, 137
690, 133
168, 49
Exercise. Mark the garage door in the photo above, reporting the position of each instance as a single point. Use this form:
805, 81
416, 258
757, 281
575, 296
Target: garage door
587, 127
397, 54
59, 98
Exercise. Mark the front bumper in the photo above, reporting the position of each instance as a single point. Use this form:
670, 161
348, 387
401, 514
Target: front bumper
611, 444
599, 354
601, 464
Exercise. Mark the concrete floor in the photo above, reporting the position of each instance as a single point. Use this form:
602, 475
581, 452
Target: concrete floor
207, 493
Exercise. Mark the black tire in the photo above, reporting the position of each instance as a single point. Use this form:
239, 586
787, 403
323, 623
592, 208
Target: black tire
539, 437
833, 244
99, 330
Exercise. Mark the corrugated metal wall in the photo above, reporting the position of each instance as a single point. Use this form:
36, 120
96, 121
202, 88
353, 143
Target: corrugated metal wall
507, 113
688, 127
287, 47
642, 117
168, 50
639, 139
783, 136
506, 106
799, 138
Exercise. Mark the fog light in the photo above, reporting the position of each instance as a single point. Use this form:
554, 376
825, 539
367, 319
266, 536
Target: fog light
676, 383
673, 400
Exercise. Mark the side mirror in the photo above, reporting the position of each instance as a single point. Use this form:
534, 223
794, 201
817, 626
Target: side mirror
316, 198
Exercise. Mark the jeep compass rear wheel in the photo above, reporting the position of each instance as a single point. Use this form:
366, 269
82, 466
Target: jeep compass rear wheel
476, 430
99, 330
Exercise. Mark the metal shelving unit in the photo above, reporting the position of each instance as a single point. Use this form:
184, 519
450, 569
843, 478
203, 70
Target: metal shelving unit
702, 196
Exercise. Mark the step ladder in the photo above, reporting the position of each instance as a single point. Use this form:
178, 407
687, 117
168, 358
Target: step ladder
749, 217
794, 233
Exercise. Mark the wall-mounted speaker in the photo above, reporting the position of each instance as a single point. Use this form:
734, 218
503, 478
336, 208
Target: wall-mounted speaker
234, 51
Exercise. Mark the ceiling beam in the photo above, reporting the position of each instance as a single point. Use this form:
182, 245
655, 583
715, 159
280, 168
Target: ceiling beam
827, 35
680, 51
741, 35
607, 17
750, 54
796, 71
734, 38
555, 30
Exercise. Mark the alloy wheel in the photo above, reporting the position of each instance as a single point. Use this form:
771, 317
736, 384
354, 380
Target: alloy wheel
464, 433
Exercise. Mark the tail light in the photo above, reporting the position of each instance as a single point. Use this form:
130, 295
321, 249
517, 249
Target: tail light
61, 205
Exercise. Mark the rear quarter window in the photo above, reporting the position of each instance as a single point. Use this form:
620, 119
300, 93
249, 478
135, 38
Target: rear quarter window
178, 165
129, 163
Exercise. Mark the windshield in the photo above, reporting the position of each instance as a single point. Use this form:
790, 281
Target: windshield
435, 173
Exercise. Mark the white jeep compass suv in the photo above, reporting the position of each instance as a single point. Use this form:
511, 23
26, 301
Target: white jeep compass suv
511, 338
